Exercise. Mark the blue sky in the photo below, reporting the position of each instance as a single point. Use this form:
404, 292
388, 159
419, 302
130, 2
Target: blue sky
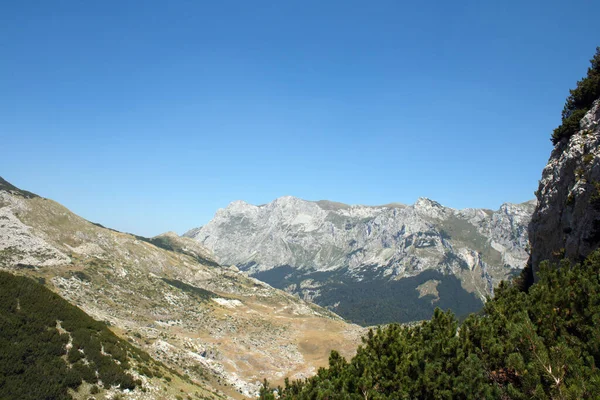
148, 116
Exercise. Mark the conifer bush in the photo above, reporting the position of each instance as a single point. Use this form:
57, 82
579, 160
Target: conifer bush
539, 343
32, 350
579, 101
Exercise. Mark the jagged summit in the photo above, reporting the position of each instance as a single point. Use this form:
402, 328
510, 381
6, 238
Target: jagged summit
291, 243
287, 201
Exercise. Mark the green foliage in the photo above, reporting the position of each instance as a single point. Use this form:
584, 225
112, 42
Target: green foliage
396, 300
579, 101
167, 244
6, 186
595, 197
34, 361
542, 343
266, 393
199, 293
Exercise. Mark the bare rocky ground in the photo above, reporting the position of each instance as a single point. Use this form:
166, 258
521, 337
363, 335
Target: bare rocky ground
222, 329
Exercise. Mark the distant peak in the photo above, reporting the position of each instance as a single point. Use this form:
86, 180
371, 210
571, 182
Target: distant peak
236, 206
286, 201
238, 203
526, 204
426, 202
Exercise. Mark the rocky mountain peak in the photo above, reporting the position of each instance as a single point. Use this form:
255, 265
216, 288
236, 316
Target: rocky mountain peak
313, 241
431, 208
425, 202
237, 206
286, 201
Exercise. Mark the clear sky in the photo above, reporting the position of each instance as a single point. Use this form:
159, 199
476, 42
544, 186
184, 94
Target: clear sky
148, 116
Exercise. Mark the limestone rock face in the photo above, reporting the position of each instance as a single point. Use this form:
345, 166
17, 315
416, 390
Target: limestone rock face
323, 244
566, 220
19, 244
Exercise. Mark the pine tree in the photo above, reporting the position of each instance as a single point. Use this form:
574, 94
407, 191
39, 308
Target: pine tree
579, 101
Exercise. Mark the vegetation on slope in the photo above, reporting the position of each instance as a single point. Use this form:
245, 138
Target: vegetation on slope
166, 243
396, 300
199, 293
7, 186
48, 346
579, 101
537, 343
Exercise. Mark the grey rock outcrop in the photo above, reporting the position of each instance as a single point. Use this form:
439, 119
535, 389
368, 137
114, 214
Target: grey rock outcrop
367, 243
566, 220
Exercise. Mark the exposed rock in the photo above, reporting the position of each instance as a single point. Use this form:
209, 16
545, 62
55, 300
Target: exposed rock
363, 243
168, 296
18, 243
566, 222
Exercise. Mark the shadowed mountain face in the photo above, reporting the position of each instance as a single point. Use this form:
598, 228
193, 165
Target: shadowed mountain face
168, 296
373, 264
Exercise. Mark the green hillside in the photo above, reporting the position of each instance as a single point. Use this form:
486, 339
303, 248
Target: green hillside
580, 101
48, 346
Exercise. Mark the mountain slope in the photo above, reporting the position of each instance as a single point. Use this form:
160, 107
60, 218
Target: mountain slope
417, 257
167, 296
52, 349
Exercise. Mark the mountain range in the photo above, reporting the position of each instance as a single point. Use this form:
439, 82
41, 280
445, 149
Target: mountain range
373, 264
220, 330
88, 312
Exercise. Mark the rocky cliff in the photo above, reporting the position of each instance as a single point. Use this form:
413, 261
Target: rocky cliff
566, 221
416, 257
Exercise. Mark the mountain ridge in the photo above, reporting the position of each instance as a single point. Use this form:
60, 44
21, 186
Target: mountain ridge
367, 243
332, 205
167, 296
